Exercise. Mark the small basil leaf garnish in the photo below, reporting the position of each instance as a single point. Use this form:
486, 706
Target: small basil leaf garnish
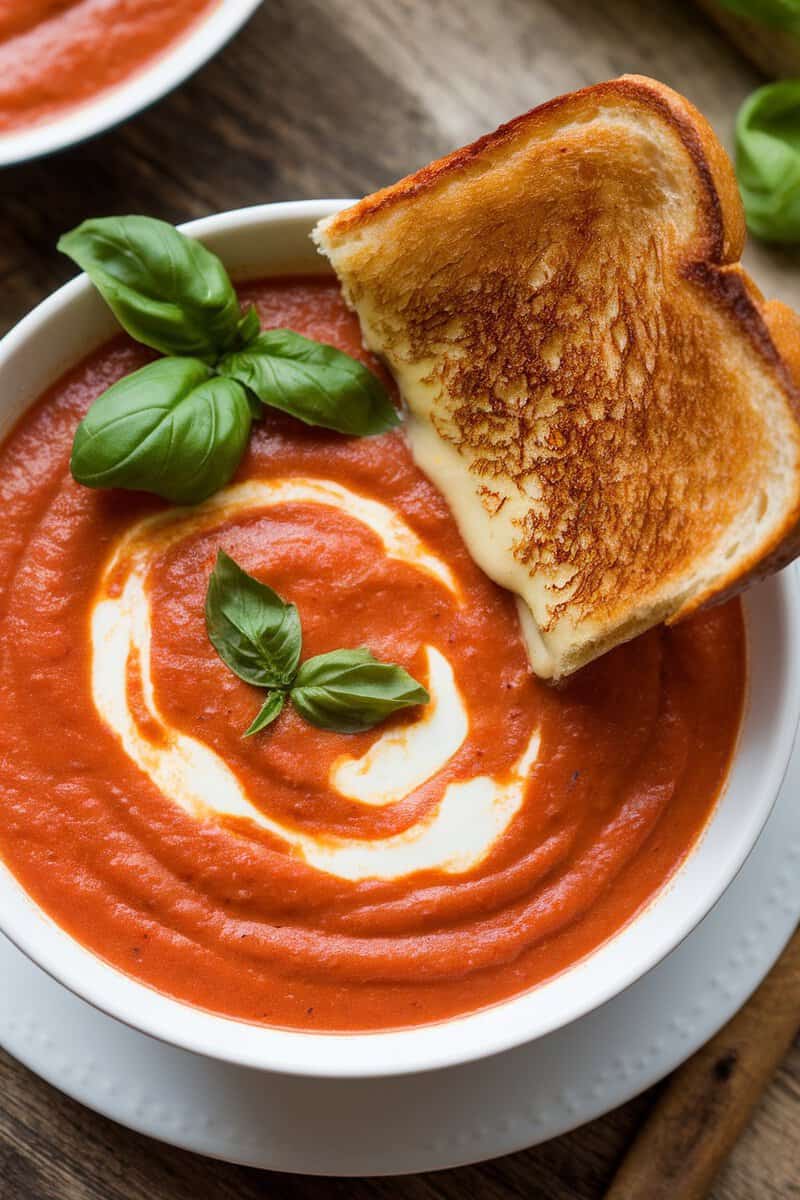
779, 14
316, 383
165, 289
258, 635
254, 631
768, 160
349, 691
270, 709
172, 428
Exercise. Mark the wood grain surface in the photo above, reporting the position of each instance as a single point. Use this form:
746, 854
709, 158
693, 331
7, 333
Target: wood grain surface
333, 98
707, 1103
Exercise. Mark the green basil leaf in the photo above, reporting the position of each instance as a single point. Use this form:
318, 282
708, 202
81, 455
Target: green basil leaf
253, 403
779, 14
249, 327
269, 711
172, 428
768, 160
349, 691
314, 382
164, 288
254, 631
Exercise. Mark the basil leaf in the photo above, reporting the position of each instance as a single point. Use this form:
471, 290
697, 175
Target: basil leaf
270, 709
349, 691
254, 631
258, 635
164, 288
779, 14
249, 327
172, 428
316, 383
768, 160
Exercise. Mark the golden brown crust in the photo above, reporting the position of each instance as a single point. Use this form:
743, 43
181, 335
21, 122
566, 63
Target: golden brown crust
783, 325
594, 348
723, 213
725, 218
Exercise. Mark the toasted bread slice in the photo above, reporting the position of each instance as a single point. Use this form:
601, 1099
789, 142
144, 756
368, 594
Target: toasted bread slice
594, 384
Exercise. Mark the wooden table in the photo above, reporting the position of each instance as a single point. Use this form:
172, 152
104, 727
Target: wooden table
332, 98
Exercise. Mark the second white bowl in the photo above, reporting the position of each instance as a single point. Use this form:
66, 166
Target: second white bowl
200, 43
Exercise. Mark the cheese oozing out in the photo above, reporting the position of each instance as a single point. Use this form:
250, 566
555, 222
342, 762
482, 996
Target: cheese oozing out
453, 836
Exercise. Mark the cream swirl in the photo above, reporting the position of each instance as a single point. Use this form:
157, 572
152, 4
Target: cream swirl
453, 836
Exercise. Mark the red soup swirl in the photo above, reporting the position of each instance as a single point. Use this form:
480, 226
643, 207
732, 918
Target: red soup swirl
452, 857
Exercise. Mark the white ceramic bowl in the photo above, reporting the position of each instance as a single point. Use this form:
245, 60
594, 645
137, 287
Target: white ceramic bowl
273, 239
142, 88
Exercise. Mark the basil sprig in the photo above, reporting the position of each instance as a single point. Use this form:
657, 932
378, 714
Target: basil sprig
258, 636
179, 427
768, 160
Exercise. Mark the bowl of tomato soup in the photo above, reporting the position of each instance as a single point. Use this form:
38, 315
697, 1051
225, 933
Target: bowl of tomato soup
456, 881
71, 70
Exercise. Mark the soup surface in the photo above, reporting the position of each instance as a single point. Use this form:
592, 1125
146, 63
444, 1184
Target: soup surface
54, 54
449, 858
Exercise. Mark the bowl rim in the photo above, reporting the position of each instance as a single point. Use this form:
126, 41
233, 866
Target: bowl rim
462, 1039
110, 106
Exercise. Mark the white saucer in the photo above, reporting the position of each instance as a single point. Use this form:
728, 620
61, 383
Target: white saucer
444, 1118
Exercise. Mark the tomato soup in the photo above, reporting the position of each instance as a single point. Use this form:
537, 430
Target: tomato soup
55, 54
451, 857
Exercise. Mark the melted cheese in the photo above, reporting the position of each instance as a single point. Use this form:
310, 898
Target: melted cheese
490, 536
